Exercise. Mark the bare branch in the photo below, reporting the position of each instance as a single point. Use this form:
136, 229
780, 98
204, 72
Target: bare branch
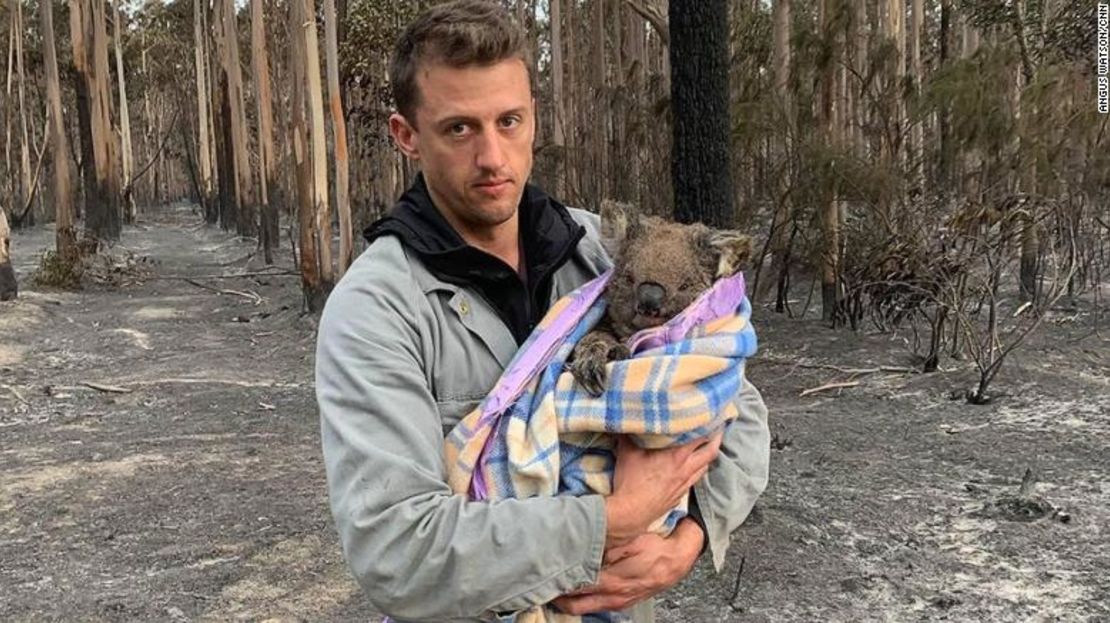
35, 180
153, 158
828, 386
654, 15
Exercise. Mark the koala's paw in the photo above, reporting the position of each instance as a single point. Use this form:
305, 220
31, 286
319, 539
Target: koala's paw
618, 352
588, 368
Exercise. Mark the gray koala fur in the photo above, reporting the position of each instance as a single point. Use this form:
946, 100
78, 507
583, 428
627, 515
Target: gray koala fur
660, 267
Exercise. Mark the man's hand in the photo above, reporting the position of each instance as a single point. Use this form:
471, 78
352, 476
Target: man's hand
646, 566
649, 483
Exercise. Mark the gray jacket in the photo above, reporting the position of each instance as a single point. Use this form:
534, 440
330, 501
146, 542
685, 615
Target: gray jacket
401, 358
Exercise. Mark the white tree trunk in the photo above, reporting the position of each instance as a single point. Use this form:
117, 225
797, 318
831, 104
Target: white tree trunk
65, 239
24, 142
339, 132
127, 157
319, 146
204, 149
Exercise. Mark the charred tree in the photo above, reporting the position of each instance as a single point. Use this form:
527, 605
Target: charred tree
700, 163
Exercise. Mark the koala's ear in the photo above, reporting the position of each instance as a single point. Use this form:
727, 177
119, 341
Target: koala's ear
732, 248
618, 221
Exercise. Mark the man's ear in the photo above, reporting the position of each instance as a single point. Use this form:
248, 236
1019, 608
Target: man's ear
619, 221
404, 136
732, 250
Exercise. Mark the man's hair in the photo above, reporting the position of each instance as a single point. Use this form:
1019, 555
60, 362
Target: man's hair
459, 33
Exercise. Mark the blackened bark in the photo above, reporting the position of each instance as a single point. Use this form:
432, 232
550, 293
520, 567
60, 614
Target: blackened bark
84, 132
699, 107
225, 158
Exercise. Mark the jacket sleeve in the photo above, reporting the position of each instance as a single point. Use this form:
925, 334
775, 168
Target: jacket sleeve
419, 552
736, 479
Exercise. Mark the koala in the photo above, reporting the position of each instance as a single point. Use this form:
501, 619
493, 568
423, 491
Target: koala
660, 268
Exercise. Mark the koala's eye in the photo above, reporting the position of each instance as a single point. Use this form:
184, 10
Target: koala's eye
687, 285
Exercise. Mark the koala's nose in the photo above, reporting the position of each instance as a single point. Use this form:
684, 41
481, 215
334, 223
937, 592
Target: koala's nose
649, 297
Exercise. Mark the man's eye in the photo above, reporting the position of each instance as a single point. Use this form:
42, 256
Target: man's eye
459, 129
510, 122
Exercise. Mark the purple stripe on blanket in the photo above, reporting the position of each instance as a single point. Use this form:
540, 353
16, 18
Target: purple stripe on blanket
524, 367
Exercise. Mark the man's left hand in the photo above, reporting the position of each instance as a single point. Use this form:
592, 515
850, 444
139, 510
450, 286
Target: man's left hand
631, 573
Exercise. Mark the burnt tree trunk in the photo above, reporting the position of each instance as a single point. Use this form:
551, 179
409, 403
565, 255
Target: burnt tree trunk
830, 206
89, 40
225, 158
699, 95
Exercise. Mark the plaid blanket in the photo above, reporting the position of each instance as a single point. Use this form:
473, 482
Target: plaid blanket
538, 433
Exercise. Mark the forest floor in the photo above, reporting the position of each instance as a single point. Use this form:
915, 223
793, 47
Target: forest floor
159, 460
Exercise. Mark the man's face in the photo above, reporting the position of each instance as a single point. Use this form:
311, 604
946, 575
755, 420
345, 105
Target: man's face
472, 136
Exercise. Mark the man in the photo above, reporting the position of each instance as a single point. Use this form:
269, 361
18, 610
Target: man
424, 322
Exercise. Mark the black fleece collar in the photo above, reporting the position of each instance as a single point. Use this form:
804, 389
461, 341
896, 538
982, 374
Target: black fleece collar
548, 236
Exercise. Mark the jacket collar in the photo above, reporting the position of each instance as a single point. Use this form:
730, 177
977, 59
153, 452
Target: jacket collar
548, 234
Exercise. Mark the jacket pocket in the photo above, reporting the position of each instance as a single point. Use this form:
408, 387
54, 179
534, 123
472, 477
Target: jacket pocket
453, 409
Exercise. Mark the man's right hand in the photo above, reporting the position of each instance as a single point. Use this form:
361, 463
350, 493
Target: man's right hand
649, 483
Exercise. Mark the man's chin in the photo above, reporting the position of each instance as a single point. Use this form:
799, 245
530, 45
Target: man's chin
494, 212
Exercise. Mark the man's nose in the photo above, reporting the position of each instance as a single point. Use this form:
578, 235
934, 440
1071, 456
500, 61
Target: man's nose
650, 297
490, 156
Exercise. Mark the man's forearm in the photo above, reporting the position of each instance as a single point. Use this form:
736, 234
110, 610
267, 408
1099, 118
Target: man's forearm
460, 560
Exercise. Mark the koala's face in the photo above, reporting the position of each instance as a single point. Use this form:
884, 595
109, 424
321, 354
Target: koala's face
661, 267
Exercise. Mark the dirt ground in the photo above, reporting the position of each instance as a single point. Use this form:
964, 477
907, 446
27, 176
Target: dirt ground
159, 460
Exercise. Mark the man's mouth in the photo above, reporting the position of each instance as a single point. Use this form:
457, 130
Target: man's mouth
493, 185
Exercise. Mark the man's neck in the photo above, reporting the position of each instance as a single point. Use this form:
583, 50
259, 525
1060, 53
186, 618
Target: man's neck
501, 241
